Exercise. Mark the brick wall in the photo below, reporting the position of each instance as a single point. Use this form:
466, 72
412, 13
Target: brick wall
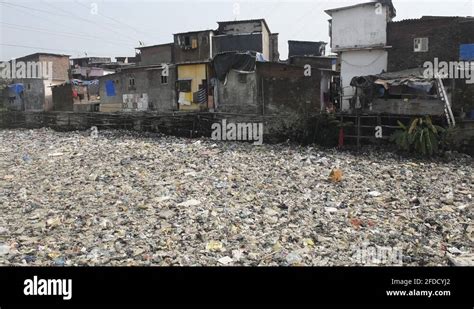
60, 66
444, 34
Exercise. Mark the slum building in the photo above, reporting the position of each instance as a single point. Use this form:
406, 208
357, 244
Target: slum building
192, 55
76, 95
359, 36
248, 86
146, 86
246, 35
32, 93
447, 39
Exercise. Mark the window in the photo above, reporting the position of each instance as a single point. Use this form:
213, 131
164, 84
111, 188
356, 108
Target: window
189, 42
420, 45
183, 85
29, 86
164, 79
131, 83
242, 78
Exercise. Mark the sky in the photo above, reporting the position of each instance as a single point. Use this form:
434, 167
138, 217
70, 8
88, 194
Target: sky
111, 28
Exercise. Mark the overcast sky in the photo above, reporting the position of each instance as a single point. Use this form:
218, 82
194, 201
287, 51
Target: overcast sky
114, 27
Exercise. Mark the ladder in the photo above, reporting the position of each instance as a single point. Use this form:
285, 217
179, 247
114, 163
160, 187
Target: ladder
444, 97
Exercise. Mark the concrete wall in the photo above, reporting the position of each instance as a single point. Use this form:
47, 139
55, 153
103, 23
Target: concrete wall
315, 62
359, 63
34, 95
303, 48
239, 94
240, 42
62, 98
197, 73
284, 89
274, 89
60, 66
203, 51
241, 27
358, 27
254, 26
274, 53
148, 93
157, 54
266, 43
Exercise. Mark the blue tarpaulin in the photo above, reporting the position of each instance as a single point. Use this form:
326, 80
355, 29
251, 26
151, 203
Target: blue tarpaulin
466, 52
110, 88
16, 88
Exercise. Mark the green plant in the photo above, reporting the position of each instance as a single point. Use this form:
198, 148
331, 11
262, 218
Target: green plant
421, 136
326, 128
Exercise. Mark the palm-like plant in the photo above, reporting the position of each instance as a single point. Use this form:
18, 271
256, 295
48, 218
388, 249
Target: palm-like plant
422, 136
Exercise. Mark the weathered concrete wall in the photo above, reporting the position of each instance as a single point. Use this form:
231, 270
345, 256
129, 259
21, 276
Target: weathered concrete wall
274, 53
358, 27
359, 63
304, 48
34, 93
314, 62
62, 98
240, 27
242, 43
147, 87
266, 43
60, 66
284, 89
248, 27
202, 52
274, 89
239, 94
157, 54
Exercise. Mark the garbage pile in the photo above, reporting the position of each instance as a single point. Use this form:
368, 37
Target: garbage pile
125, 198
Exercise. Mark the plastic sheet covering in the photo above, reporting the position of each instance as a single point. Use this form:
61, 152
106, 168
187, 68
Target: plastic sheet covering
15, 89
224, 62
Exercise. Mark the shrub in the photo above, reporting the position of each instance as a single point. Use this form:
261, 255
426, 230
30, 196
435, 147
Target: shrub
421, 136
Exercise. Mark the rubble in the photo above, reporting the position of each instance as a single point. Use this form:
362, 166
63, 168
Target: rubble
128, 198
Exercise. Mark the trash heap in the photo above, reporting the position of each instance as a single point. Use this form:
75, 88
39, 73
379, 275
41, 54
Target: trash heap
127, 198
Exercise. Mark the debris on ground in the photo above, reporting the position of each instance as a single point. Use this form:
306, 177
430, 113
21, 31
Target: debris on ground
129, 198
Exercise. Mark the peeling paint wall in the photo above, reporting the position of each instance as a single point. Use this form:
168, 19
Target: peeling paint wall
148, 91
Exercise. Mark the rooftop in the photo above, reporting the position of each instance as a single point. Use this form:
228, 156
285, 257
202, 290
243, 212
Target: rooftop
196, 31
44, 54
388, 3
244, 21
156, 45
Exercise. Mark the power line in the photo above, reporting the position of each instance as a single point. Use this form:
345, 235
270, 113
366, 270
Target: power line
68, 15
113, 19
68, 34
54, 22
41, 48
87, 20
